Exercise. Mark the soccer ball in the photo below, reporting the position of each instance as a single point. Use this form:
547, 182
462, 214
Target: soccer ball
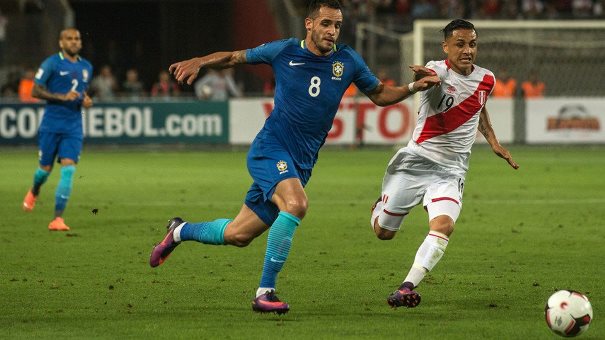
568, 313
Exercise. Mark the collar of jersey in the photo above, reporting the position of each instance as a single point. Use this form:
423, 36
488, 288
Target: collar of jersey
63, 57
449, 67
302, 45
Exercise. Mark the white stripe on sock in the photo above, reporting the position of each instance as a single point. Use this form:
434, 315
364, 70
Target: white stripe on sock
176, 234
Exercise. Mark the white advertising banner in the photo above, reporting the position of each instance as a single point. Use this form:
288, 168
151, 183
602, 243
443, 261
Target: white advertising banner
565, 120
246, 118
377, 125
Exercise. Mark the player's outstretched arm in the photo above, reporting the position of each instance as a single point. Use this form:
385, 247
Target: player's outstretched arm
41, 92
385, 95
485, 127
186, 71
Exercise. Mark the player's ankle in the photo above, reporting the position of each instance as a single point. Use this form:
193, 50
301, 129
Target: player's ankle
408, 285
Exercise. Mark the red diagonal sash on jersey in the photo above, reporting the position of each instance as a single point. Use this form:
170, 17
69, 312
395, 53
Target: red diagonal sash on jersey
451, 119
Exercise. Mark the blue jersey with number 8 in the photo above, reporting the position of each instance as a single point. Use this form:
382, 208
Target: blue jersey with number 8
308, 90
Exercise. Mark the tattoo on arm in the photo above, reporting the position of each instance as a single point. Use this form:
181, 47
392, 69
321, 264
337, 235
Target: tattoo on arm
222, 60
239, 57
482, 128
485, 127
41, 92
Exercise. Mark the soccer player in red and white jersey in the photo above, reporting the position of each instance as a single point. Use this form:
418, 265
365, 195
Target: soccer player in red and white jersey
432, 167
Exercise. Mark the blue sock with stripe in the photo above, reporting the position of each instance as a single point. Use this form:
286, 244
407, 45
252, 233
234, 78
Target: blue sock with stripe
40, 177
278, 247
64, 188
205, 232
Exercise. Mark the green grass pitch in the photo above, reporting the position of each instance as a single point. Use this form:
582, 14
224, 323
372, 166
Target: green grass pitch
521, 235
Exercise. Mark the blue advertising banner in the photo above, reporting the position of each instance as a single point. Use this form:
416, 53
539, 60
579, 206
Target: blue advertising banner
128, 123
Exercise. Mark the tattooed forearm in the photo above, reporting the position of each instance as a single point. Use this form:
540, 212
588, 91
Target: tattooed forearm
239, 57
484, 130
41, 92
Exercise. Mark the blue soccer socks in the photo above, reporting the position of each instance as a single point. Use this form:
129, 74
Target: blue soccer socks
278, 241
40, 177
278, 247
64, 188
205, 232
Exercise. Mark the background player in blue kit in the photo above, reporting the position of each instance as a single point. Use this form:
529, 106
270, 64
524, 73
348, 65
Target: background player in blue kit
61, 80
311, 78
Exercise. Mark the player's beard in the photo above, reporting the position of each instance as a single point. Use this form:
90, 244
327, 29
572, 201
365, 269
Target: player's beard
321, 44
72, 52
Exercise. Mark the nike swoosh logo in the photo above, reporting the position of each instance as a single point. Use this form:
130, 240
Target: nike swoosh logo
277, 261
63, 73
292, 63
64, 197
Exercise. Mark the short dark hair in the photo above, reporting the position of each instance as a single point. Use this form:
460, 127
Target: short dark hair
315, 5
457, 24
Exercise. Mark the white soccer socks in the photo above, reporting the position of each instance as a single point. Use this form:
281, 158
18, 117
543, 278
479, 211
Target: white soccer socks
427, 256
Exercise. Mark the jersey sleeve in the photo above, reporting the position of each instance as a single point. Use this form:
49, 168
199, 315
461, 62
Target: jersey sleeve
438, 68
91, 70
265, 53
364, 79
494, 85
44, 72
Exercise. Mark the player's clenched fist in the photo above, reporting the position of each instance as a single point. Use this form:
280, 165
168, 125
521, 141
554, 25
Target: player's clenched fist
86, 101
70, 96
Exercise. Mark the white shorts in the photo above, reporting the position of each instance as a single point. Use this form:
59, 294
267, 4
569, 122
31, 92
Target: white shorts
413, 180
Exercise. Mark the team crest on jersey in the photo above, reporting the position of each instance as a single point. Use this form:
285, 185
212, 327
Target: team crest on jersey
85, 76
482, 97
338, 69
282, 166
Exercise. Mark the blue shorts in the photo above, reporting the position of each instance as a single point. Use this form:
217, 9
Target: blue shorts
59, 145
269, 163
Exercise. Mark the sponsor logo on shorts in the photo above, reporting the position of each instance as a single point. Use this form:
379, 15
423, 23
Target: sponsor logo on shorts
282, 166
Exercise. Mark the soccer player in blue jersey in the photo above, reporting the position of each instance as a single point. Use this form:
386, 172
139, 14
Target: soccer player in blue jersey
61, 80
311, 78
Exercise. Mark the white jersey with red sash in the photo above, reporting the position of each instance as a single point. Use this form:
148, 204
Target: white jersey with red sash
449, 115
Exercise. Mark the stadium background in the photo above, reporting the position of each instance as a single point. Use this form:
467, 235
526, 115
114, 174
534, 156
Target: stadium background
522, 234
560, 41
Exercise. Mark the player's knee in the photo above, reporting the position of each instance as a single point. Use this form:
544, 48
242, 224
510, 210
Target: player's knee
383, 234
297, 207
67, 161
443, 224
